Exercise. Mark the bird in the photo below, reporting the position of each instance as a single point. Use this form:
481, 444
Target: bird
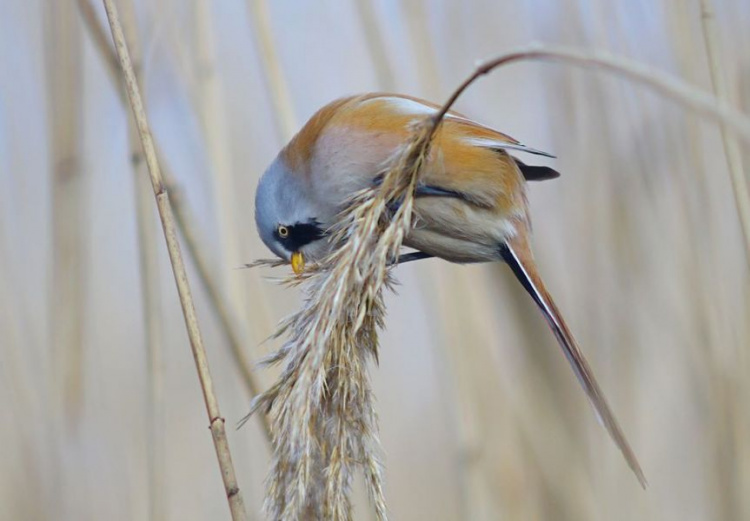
470, 202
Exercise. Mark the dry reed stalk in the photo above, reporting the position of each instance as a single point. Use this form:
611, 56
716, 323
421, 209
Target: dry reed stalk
731, 146
102, 42
539, 411
421, 41
26, 399
150, 294
460, 400
375, 44
458, 302
212, 116
234, 330
700, 276
69, 230
216, 422
731, 426
151, 297
277, 86
232, 327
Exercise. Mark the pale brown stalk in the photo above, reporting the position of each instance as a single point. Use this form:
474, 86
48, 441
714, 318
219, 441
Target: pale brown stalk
216, 422
27, 399
151, 297
701, 276
68, 191
232, 327
277, 86
416, 16
375, 44
102, 42
150, 294
731, 146
212, 116
731, 481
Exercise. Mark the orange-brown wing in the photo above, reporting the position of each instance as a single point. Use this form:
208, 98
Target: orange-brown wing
361, 132
469, 157
484, 176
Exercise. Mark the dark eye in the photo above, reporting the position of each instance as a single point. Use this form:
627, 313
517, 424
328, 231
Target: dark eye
283, 231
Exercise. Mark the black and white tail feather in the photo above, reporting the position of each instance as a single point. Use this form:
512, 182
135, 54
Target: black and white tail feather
518, 257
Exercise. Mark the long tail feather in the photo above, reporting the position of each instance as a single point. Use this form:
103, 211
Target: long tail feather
518, 256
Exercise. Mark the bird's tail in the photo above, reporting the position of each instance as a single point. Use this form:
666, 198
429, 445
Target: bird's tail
517, 254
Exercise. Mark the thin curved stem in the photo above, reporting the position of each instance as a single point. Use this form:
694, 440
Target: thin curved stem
690, 97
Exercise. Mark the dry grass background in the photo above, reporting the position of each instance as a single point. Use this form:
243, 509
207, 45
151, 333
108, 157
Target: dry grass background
480, 417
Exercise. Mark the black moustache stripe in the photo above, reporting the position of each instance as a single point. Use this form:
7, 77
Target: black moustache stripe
300, 234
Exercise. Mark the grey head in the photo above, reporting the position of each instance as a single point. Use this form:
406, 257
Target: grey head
287, 217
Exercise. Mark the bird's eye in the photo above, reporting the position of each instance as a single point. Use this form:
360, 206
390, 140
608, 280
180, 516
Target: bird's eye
283, 231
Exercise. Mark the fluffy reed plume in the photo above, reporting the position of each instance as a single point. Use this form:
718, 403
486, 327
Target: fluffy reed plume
321, 409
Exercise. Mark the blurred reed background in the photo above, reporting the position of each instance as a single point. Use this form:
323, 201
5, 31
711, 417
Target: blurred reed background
480, 416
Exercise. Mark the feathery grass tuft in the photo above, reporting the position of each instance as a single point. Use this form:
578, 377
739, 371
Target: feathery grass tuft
321, 408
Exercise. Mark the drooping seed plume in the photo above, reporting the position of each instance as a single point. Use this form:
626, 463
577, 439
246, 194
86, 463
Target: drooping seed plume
321, 409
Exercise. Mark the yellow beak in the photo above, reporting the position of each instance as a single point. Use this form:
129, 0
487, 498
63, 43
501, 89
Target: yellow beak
298, 262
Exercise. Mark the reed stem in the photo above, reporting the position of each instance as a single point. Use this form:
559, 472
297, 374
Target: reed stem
235, 332
216, 422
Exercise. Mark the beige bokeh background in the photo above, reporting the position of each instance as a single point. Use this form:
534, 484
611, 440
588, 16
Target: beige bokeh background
480, 416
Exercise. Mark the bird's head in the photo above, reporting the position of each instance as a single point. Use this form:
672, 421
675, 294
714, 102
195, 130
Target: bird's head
288, 220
